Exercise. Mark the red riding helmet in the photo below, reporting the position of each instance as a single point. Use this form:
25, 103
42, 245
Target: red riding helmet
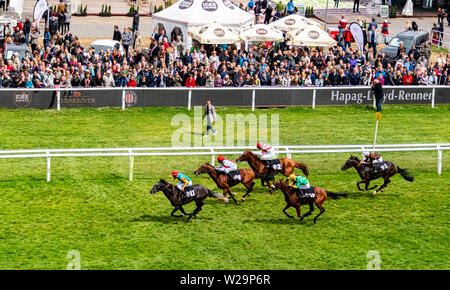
174, 173
258, 145
220, 158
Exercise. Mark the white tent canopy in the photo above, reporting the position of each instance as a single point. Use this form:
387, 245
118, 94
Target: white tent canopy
190, 13
310, 36
213, 33
292, 22
261, 32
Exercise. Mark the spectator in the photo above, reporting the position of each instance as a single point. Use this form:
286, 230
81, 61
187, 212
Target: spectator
372, 40
384, 31
117, 36
290, 7
355, 6
268, 14
341, 26
126, 39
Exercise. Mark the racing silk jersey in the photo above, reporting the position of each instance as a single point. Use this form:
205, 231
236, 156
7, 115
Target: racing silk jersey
183, 178
301, 182
373, 158
267, 152
228, 164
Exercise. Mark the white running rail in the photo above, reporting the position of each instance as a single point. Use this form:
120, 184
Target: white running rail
213, 151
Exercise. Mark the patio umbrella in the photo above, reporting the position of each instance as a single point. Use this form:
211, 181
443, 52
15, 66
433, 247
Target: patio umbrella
213, 33
261, 32
293, 22
310, 36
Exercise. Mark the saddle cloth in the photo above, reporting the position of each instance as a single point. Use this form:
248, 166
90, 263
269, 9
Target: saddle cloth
383, 166
234, 175
188, 192
309, 193
274, 164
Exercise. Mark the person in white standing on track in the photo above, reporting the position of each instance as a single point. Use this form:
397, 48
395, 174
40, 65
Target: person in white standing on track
210, 114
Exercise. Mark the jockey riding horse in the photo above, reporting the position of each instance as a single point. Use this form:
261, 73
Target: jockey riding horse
373, 159
267, 153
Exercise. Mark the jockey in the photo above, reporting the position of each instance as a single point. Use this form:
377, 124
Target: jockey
373, 159
267, 153
299, 182
226, 165
184, 180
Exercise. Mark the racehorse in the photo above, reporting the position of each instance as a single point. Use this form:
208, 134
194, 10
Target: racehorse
172, 194
287, 167
223, 182
292, 199
366, 173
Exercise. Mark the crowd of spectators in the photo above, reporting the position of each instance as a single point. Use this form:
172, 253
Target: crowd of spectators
63, 61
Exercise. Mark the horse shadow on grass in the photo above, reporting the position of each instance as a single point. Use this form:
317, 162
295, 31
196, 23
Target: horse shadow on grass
166, 219
289, 221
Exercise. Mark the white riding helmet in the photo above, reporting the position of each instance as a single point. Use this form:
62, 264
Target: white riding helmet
365, 154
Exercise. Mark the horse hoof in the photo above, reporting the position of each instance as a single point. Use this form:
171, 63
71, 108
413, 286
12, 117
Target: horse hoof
234, 194
243, 199
374, 193
382, 190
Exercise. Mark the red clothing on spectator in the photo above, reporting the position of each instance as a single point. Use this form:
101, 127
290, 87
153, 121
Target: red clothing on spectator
407, 80
348, 35
342, 23
190, 82
385, 28
131, 83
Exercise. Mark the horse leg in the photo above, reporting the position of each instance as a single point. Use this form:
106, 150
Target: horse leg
386, 182
199, 204
358, 183
284, 210
249, 189
297, 207
311, 209
174, 211
367, 186
227, 190
183, 212
322, 210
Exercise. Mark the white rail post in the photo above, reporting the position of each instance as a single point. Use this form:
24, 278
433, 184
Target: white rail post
253, 99
130, 173
48, 165
213, 157
314, 99
123, 100
439, 169
432, 98
58, 100
189, 99
288, 153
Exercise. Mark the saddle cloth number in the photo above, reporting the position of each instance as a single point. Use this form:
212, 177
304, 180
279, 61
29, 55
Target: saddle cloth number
383, 166
190, 193
235, 175
276, 165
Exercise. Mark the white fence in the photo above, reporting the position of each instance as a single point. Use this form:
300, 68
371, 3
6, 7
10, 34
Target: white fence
131, 153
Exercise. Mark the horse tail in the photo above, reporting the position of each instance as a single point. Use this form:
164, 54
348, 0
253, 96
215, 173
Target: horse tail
405, 175
335, 195
302, 166
218, 196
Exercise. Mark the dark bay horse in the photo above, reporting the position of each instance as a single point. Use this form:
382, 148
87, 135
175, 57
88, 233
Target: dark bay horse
172, 194
366, 174
258, 165
223, 182
292, 199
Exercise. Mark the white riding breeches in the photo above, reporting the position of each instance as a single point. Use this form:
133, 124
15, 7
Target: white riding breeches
306, 186
379, 160
268, 156
181, 184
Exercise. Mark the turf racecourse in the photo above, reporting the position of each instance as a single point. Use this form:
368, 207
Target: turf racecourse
91, 207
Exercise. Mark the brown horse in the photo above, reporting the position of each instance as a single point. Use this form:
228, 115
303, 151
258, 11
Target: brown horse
223, 182
366, 174
287, 167
292, 199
